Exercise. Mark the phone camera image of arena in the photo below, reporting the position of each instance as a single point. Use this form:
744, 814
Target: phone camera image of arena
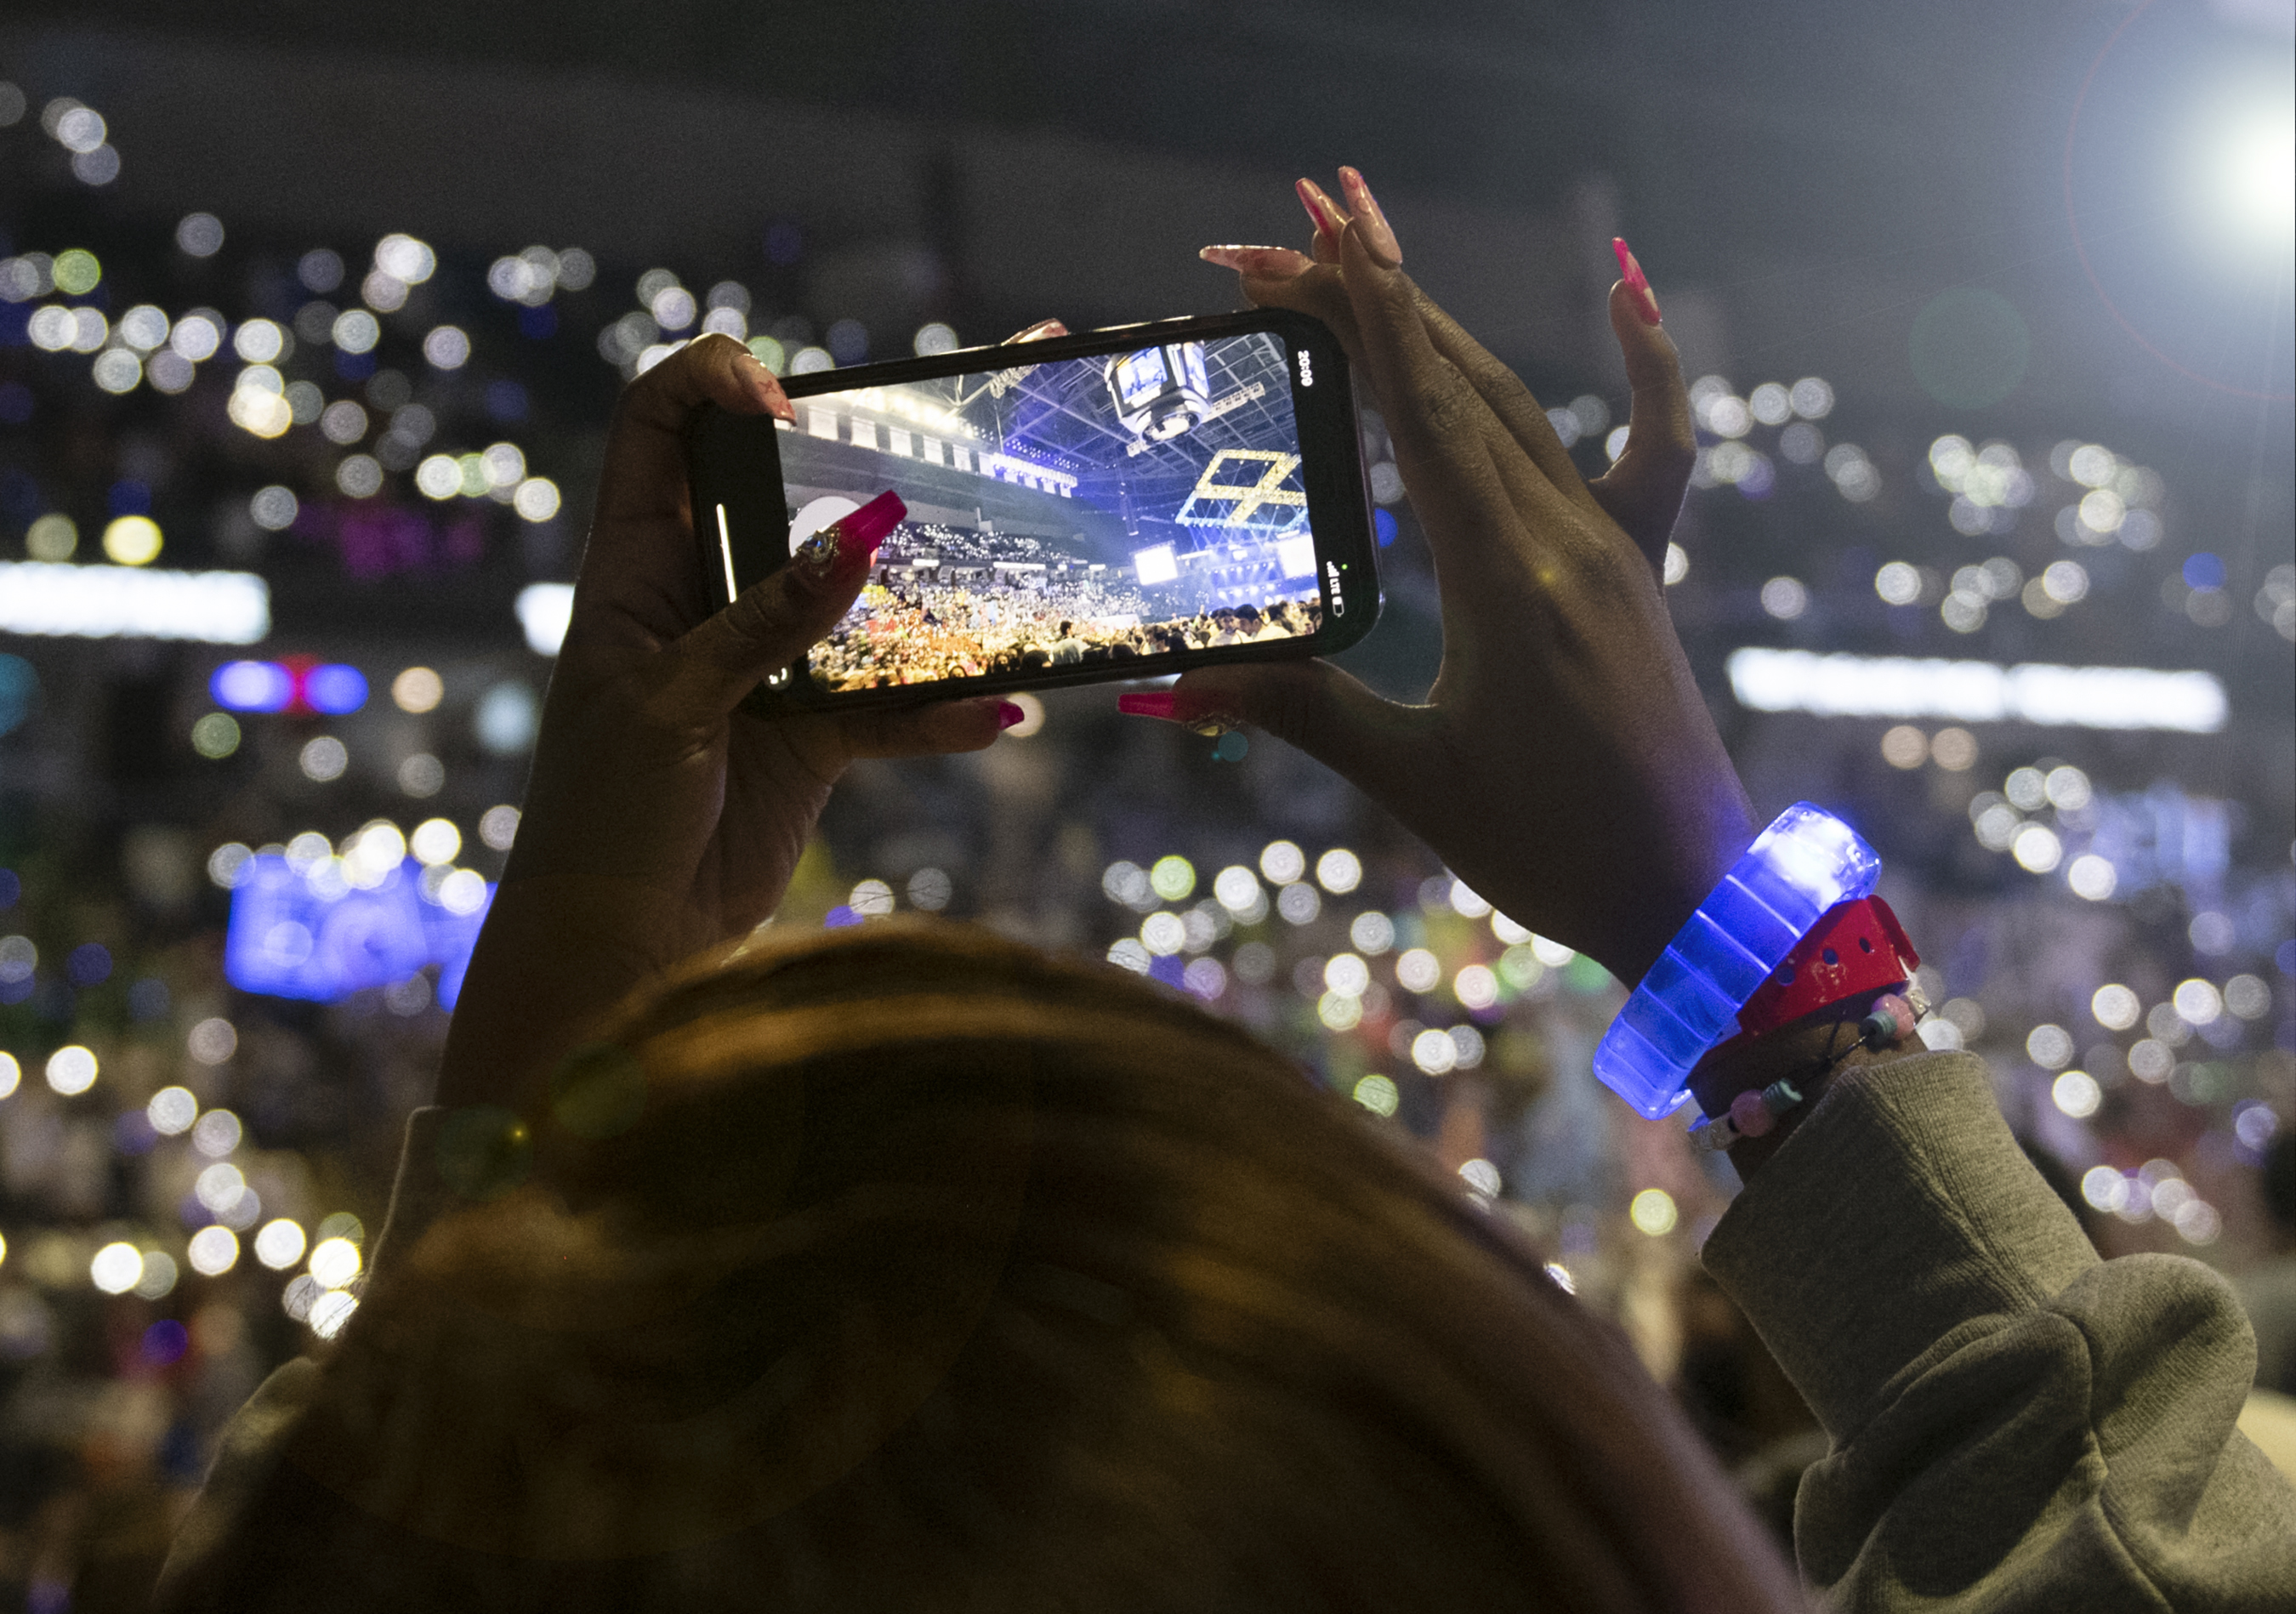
1099, 510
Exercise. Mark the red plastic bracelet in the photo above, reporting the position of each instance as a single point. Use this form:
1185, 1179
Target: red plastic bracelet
1855, 948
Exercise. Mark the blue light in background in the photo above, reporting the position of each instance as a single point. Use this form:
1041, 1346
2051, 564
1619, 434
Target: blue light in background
251, 686
272, 686
2205, 571
286, 940
20, 687
1382, 522
334, 688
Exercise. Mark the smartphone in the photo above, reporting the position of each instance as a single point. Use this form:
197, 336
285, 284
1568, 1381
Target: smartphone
1122, 504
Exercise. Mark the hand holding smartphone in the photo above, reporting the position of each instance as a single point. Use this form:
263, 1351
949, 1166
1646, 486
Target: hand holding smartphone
1123, 505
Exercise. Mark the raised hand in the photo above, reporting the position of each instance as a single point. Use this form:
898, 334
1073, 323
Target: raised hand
1564, 764
661, 817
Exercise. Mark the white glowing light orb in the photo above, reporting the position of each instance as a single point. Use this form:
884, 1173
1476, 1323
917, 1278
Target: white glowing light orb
329, 1313
2115, 1007
2049, 1047
1418, 970
435, 840
1476, 987
2258, 179
72, 1070
212, 1042
115, 1268
280, 1245
2037, 848
2093, 877
2077, 1093
2198, 1002
219, 1187
1163, 934
1373, 932
462, 892
335, 1263
1465, 903
1434, 1051
214, 1251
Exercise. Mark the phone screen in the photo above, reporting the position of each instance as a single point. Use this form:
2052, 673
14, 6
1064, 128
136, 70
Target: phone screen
1115, 508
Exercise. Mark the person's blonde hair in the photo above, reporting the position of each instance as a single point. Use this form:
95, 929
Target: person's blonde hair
906, 1268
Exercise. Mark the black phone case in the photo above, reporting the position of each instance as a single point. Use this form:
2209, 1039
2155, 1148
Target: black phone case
734, 463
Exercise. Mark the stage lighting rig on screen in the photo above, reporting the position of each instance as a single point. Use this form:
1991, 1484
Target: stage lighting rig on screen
1160, 392
1253, 490
1155, 565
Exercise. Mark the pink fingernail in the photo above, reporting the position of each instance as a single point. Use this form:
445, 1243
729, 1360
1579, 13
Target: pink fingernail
1637, 282
1323, 212
1377, 235
1150, 703
867, 526
1261, 263
769, 388
1008, 714
1039, 331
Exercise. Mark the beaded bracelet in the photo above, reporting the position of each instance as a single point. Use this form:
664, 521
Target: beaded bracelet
1757, 1111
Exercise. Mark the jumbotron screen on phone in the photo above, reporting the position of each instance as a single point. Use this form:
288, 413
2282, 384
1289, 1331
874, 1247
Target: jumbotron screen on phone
1104, 508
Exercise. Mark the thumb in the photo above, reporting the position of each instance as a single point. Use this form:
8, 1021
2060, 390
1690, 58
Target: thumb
1643, 489
1312, 705
721, 660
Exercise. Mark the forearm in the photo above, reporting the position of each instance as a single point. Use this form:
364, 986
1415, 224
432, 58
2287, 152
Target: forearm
2015, 1423
557, 954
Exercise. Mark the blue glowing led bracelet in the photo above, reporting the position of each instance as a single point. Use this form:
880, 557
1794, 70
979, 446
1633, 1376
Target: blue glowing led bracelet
1806, 860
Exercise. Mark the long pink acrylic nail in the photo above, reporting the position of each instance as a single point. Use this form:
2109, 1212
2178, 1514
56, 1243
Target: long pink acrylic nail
1637, 282
850, 539
866, 526
1323, 212
1150, 703
1008, 714
1377, 235
1261, 263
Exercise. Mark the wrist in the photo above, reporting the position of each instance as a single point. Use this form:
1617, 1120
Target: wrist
557, 954
1811, 1053
1747, 924
1704, 852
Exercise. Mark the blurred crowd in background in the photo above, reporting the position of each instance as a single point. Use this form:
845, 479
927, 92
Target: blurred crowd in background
394, 442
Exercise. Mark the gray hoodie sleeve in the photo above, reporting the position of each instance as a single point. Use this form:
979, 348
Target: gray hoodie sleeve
2015, 1423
